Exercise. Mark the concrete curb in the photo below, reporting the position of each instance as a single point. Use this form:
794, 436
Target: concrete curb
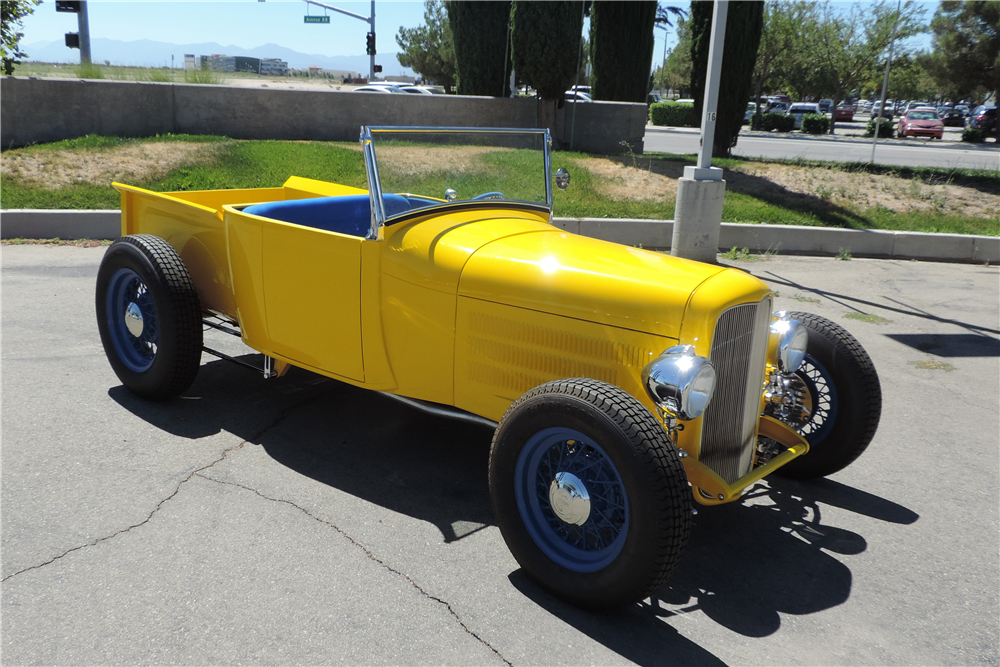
652, 234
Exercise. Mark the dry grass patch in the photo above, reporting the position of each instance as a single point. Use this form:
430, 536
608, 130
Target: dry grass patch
860, 191
53, 170
420, 160
617, 180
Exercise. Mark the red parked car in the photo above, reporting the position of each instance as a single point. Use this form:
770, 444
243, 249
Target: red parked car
920, 122
844, 112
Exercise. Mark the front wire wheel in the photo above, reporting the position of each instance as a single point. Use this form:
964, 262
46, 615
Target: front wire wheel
846, 398
589, 493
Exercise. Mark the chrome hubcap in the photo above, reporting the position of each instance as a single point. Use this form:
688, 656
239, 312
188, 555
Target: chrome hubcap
569, 499
133, 319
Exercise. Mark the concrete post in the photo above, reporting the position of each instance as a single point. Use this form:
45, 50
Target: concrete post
697, 219
698, 211
83, 23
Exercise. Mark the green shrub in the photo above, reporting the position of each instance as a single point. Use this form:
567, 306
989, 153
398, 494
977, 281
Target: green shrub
673, 114
885, 128
815, 123
974, 135
777, 121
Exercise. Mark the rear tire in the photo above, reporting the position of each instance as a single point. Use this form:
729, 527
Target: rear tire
149, 317
846, 397
624, 540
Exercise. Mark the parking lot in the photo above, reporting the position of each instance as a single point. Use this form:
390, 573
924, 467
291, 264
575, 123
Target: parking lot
299, 520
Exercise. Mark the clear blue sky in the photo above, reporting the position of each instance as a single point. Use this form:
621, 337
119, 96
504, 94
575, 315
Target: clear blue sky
250, 24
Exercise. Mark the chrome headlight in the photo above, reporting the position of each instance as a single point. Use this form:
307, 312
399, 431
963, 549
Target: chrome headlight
786, 345
680, 382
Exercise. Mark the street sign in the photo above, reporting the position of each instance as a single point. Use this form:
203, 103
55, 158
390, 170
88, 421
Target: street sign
317, 19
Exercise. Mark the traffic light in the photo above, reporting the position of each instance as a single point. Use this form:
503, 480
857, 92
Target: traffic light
71, 6
72, 40
378, 69
371, 44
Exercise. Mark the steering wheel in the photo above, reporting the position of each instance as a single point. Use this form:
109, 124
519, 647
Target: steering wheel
489, 195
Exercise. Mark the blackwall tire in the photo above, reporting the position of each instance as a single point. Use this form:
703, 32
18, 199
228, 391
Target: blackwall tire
637, 520
846, 397
149, 317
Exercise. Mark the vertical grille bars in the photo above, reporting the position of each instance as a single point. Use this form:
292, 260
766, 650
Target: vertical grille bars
739, 347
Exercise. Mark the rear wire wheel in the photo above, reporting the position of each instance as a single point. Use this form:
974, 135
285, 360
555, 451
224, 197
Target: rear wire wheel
589, 492
149, 317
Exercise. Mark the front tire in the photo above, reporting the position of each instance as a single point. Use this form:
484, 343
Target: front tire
846, 399
589, 493
149, 317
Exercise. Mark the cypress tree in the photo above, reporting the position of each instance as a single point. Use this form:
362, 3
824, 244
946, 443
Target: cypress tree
621, 49
545, 40
480, 32
744, 25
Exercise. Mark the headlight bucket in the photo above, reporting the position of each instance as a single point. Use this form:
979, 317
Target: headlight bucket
787, 342
680, 382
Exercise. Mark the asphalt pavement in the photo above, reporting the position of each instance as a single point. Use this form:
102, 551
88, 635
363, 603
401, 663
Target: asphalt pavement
302, 521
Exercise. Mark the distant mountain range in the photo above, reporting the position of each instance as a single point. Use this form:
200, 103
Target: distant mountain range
147, 53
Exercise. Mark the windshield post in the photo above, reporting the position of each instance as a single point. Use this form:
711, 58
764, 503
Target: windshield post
374, 187
548, 171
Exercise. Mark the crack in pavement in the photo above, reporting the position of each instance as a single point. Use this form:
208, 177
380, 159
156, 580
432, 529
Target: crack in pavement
156, 509
280, 418
372, 557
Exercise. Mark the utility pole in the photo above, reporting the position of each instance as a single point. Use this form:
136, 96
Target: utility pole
885, 82
77, 40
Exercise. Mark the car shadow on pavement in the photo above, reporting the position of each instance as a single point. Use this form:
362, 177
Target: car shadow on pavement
746, 565
772, 553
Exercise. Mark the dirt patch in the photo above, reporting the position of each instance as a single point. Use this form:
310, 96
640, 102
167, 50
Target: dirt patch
656, 180
420, 160
860, 191
52, 170
617, 180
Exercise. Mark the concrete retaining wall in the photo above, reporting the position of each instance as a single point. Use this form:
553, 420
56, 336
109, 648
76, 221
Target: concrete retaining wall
43, 110
652, 234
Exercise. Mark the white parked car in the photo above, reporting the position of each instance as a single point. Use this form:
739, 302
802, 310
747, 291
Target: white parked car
800, 109
378, 89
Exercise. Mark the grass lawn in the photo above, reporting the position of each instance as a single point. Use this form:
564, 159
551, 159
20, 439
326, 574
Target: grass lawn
76, 174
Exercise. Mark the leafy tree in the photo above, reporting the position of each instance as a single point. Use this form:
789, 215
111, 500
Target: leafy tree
676, 73
480, 31
664, 14
848, 46
744, 24
910, 77
621, 40
783, 47
12, 12
545, 39
966, 50
428, 49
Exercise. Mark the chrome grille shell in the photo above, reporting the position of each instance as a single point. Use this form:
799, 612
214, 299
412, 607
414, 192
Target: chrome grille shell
729, 427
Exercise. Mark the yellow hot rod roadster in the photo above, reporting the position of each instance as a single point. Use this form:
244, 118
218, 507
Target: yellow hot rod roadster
623, 383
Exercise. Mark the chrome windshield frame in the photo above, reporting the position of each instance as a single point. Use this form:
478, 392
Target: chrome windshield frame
371, 162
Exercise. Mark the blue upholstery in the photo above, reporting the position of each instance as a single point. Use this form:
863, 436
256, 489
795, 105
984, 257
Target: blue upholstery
350, 214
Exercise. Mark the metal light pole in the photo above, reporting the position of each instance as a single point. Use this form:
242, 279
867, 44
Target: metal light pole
84, 27
698, 211
885, 81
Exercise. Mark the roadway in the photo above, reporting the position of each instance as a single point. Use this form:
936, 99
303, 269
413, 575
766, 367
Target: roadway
299, 520
901, 153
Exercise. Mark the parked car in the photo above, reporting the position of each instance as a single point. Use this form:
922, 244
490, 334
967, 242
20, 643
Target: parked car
576, 96
378, 89
951, 117
844, 112
777, 107
751, 110
826, 106
622, 384
984, 118
800, 109
416, 90
882, 113
920, 122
